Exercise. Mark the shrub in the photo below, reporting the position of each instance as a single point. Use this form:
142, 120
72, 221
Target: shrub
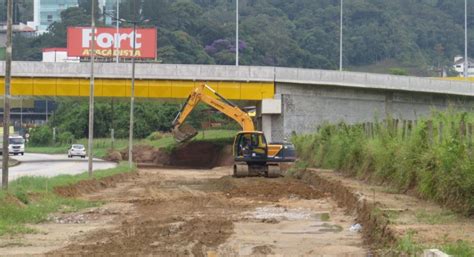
66, 138
41, 136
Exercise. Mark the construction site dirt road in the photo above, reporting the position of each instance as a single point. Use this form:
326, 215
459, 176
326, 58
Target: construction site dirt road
185, 212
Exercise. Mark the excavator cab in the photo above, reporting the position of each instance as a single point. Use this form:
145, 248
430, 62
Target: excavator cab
250, 146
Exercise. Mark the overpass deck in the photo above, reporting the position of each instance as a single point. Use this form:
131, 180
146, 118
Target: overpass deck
176, 81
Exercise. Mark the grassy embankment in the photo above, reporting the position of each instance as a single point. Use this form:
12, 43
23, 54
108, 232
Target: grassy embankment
432, 158
29, 200
166, 141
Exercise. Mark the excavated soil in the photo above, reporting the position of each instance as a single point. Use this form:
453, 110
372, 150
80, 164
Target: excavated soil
196, 155
175, 212
272, 191
201, 155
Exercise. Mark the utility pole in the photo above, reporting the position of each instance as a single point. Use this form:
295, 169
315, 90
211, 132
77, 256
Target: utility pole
132, 93
237, 33
91, 92
117, 37
340, 36
6, 97
46, 110
466, 61
21, 112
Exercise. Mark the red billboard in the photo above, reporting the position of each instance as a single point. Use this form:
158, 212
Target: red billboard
108, 42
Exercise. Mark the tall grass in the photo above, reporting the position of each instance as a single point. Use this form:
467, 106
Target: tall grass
435, 163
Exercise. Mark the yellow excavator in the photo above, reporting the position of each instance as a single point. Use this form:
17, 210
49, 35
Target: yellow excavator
253, 156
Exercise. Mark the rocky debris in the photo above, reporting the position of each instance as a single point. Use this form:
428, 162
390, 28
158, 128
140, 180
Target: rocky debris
280, 213
75, 218
263, 250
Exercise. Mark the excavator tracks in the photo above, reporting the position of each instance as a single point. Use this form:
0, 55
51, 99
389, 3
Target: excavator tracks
268, 170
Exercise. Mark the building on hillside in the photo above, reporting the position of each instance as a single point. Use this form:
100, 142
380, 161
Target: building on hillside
18, 29
48, 11
459, 66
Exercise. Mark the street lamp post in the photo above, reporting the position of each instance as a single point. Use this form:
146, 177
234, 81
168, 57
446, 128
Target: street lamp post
237, 33
340, 36
91, 92
6, 98
132, 98
466, 61
117, 40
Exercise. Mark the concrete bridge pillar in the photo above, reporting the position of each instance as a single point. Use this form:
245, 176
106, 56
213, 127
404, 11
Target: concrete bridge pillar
267, 110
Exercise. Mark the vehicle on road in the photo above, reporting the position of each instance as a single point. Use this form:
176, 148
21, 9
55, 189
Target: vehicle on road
16, 145
77, 150
253, 156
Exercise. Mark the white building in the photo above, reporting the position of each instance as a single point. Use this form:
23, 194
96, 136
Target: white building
459, 66
57, 55
48, 11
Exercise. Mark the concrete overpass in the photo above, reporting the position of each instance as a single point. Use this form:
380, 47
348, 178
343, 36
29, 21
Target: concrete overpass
302, 98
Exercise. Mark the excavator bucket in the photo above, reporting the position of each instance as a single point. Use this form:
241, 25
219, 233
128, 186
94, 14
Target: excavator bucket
184, 133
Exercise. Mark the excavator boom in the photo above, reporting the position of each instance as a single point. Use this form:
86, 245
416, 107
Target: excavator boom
182, 132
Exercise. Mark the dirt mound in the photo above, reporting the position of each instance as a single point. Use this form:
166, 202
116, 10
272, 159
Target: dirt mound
165, 222
146, 154
173, 237
196, 155
92, 185
12, 200
266, 189
114, 156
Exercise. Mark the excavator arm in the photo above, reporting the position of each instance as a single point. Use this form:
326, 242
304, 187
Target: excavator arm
184, 133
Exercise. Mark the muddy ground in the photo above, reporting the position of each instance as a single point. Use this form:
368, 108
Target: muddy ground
183, 212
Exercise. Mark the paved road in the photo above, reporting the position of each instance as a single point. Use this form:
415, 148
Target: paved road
48, 165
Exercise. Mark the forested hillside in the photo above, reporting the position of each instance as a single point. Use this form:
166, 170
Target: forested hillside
419, 34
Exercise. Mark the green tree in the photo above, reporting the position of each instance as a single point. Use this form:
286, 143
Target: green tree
303, 33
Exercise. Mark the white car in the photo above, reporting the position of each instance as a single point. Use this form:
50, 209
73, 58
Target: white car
77, 150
